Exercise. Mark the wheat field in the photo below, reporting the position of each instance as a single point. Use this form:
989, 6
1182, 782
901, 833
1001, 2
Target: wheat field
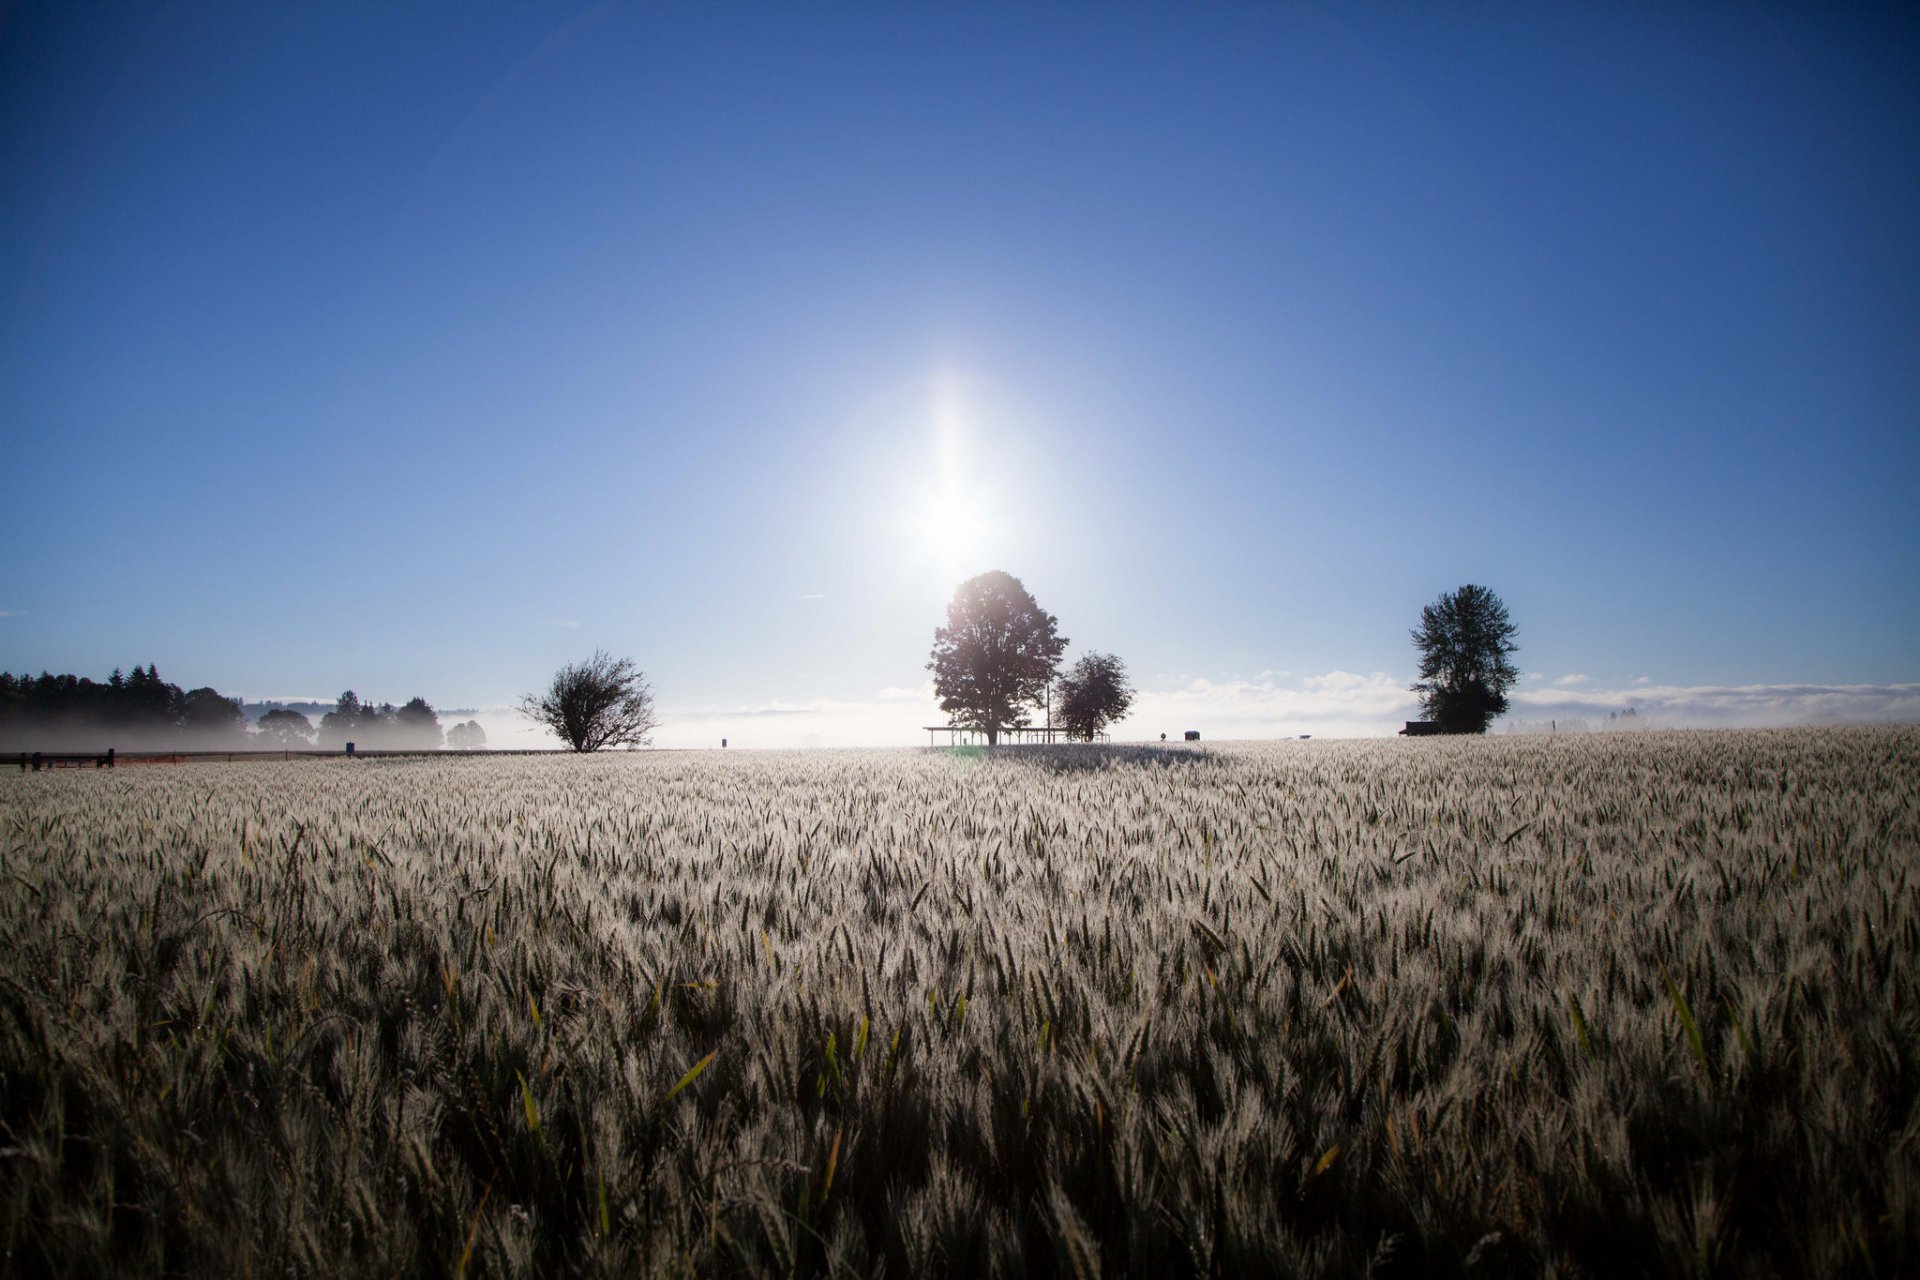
1613, 1004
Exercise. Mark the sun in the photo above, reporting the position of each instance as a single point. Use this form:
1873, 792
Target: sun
950, 516
950, 529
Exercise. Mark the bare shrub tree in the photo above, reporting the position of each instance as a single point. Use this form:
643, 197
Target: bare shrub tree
602, 702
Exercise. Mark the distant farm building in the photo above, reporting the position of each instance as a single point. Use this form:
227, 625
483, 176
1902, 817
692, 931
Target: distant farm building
1421, 728
1193, 735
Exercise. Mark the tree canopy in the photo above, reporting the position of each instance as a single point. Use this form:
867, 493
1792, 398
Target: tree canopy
413, 727
416, 727
996, 656
131, 711
285, 729
1093, 694
467, 737
1465, 640
602, 702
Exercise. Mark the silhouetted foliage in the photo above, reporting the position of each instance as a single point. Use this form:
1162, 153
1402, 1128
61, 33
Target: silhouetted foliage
217, 720
133, 711
413, 727
1093, 694
1464, 639
138, 711
467, 737
602, 702
996, 656
338, 726
285, 730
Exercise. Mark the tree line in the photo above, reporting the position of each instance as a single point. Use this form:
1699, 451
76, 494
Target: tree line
139, 711
996, 663
996, 667
136, 710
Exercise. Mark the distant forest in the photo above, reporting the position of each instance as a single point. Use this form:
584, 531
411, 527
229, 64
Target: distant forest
142, 712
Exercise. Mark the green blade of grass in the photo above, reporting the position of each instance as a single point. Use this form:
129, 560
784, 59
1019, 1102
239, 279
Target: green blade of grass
529, 1106
1579, 1022
1687, 1023
692, 1075
833, 1163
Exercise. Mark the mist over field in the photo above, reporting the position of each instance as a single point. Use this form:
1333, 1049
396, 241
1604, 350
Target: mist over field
1338, 705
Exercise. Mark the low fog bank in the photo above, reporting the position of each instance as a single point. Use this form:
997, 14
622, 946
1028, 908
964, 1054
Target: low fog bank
81, 735
1338, 704
1335, 705
139, 711
1576, 708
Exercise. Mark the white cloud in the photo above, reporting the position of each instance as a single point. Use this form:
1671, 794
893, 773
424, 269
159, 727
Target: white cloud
1567, 682
569, 623
813, 595
13, 613
1337, 704
1336, 680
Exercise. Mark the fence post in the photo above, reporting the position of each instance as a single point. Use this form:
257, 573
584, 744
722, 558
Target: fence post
36, 762
109, 757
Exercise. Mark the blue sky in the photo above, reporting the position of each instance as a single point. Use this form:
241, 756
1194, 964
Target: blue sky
419, 349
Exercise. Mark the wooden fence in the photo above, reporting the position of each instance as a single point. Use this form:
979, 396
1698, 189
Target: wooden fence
35, 761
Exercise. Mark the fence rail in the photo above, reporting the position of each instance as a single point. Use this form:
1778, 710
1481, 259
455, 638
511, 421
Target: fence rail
37, 760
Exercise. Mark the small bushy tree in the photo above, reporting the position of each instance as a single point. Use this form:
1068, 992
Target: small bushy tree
1093, 694
467, 737
338, 726
602, 702
285, 730
1465, 640
416, 727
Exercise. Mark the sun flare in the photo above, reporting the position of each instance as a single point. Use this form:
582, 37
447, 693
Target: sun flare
949, 517
950, 530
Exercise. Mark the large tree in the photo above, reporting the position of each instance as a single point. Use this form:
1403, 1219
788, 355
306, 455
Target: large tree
467, 737
212, 721
339, 725
1093, 694
283, 729
416, 727
602, 702
996, 656
1465, 640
